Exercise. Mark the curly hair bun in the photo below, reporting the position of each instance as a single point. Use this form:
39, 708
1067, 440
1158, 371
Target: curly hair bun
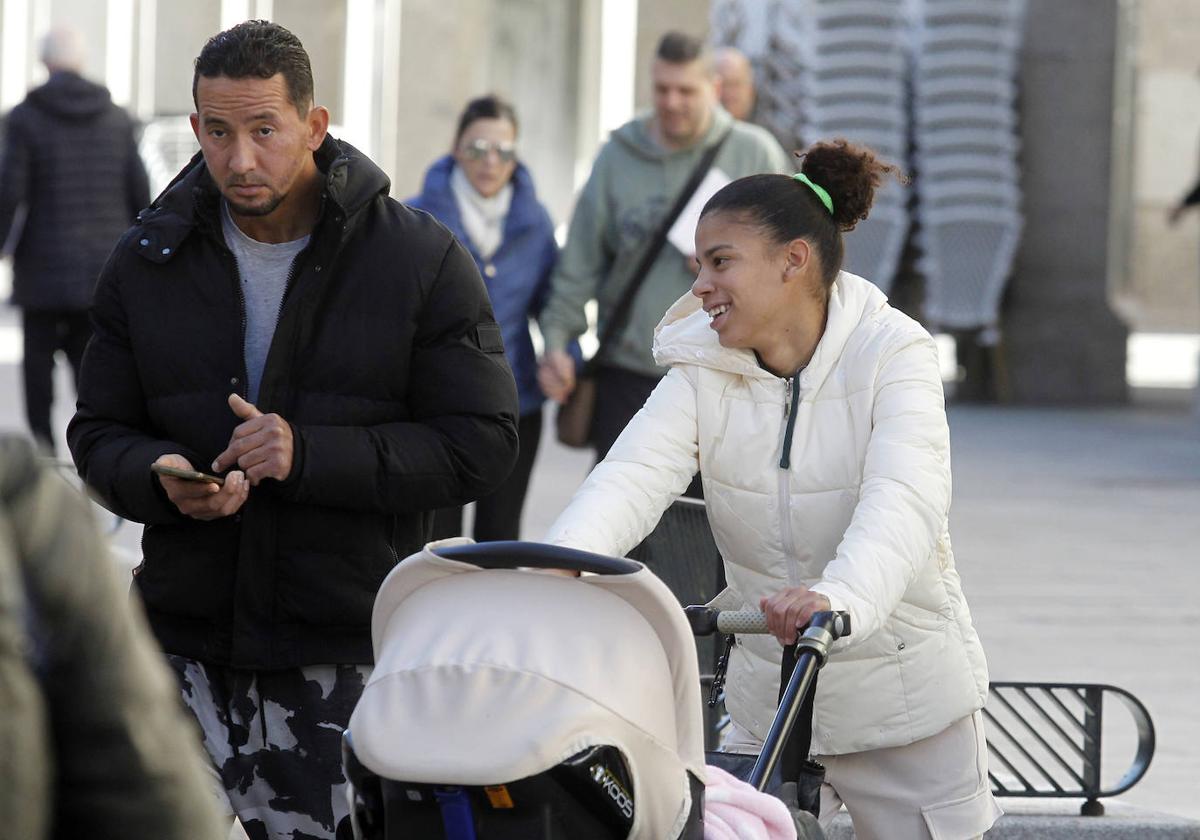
850, 174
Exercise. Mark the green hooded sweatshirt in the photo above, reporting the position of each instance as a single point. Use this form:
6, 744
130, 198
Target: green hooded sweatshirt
633, 184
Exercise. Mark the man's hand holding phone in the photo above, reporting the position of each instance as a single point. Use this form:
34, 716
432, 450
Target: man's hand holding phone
202, 499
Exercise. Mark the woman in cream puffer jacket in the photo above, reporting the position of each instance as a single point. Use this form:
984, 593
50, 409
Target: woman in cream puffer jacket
817, 422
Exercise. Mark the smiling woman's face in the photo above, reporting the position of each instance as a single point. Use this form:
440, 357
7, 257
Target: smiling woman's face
740, 284
486, 152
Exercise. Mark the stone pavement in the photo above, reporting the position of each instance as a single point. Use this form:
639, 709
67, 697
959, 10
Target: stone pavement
1077, 535
1048, 820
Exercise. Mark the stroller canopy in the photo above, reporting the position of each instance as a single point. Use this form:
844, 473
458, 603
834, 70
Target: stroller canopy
487, 676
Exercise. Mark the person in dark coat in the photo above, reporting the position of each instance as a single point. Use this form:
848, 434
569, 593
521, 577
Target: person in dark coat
70, 161
276, 319
1189, 201
485, 195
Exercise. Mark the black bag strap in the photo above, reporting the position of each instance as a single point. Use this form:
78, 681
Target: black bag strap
620, 315
795, 751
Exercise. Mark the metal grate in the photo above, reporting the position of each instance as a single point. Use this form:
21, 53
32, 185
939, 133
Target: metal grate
682, 553
1045, 740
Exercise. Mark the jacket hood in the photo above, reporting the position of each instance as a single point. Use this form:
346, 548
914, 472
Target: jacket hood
437, 197
352, 181
71, 96
684, 336
635, 135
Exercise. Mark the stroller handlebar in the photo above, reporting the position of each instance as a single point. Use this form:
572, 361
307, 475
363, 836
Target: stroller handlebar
514, 554
706, 621
741, 622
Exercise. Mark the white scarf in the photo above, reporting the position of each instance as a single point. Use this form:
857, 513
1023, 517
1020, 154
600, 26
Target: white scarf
482, 218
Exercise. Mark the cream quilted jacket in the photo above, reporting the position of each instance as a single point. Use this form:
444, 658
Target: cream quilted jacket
855, 507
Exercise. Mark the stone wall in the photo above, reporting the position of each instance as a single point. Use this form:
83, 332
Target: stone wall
181, 31
1161, 290
525, 50
321, 27
1063, 343
654, 20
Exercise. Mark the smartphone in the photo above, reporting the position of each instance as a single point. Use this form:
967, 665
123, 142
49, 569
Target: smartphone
186, 475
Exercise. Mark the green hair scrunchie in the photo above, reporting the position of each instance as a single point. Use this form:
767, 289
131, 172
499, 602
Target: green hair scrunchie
818, 189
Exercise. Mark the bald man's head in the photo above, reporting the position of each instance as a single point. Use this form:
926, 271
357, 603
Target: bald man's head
736, 77
62, 48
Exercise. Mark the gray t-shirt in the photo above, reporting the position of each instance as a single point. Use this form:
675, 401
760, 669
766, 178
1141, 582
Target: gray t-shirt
264, 272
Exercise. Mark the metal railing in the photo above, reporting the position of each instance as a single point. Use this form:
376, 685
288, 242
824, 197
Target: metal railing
1045, 740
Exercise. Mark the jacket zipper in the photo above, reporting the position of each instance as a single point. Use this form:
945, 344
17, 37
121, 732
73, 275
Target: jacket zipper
244, 385
392, 543
287, 287
214, 231
291, 276
791, 399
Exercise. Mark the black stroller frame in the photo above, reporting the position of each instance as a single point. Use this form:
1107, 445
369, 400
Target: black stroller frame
811, 652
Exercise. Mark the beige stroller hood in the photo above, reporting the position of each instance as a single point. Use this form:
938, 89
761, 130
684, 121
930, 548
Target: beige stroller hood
487, 676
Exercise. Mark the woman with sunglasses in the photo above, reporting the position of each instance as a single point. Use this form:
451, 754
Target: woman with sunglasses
486, 197
813, 411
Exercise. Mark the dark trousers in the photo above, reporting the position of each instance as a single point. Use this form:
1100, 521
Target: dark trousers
498, 516
47, 331
620, 394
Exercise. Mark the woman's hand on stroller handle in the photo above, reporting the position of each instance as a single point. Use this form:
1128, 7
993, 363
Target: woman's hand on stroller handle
790, 609
706, 621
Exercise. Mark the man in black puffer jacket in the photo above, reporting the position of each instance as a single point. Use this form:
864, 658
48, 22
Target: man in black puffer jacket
70, 159
275, 315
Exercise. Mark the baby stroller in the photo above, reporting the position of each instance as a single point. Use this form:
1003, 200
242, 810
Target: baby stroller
507, 703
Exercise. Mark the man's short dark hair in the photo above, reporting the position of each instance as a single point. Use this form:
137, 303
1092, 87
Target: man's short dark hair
679, 48
258, 49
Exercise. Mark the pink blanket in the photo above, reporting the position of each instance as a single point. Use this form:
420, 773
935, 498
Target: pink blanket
733, 810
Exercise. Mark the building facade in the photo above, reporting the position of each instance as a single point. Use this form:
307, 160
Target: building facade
1110, 127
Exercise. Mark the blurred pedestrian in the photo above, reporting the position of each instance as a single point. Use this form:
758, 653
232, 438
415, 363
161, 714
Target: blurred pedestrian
816, 412
485, 195
638, 175
277, 318
93, 742
70, 161
1189, 201
735, 77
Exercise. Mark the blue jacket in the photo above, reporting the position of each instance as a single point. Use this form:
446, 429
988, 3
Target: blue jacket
517, 276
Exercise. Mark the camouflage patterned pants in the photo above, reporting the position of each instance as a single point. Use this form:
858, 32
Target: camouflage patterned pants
274, 738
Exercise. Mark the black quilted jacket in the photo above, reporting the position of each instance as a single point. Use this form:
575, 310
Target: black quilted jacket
70, 159
386, 361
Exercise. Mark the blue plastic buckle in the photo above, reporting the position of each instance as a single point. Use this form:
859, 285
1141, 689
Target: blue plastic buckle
458, 819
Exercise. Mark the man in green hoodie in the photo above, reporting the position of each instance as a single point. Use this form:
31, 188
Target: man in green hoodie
634, 182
